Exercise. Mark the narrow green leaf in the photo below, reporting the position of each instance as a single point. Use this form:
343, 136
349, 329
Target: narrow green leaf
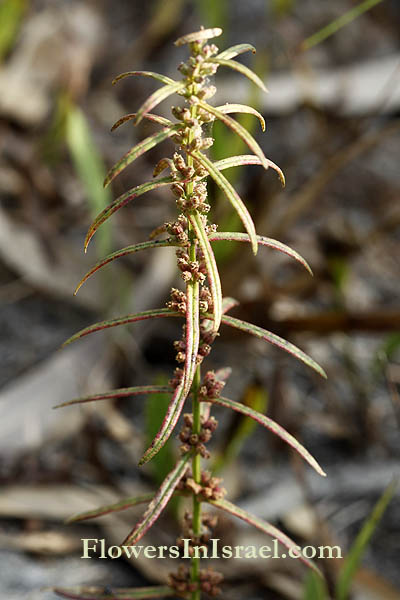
198, 36
247, 159
111, 508
171, 418
148, 116
232, 196
142, 316
272, 338
272, 426
103, 593
125, 252
11, 15
235, 51
157, 97
212, 269
89, 167
361, 542
239, 129
232, 64
266, 527
314, 588
120, 393
140, 148
158, 76
263, 241
122, 201
242, 108
159, 501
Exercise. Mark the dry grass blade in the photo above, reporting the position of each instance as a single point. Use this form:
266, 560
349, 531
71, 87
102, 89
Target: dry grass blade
159, 501
272, 426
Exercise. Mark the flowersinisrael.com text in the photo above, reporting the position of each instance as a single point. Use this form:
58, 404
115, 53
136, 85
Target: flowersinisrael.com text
93, 547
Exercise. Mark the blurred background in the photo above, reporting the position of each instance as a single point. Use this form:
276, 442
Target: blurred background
333, 71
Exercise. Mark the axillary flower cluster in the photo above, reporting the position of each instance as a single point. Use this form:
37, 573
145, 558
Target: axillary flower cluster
200, 304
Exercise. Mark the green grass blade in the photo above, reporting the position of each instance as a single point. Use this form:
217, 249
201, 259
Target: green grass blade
232, 196
274, 339
232, 64
89, 166
315, 588
361, 542
337, 24
11, 15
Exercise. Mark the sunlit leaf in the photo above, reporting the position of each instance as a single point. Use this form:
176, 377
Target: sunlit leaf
211, 265
239, 129
157, 97
274, 339
247, 159
159, 501
361, 542
140, 148
122, 201
266, 527
171, 418
232, 196
232, 64
125, 252
263, 241
242, 108
148, 116
142, 316
104, 593
119, 393
111, 508
192, 334
158, 76
272, 426
198, 36
235, 51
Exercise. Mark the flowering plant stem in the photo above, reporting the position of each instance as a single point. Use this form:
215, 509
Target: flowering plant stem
200, 304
